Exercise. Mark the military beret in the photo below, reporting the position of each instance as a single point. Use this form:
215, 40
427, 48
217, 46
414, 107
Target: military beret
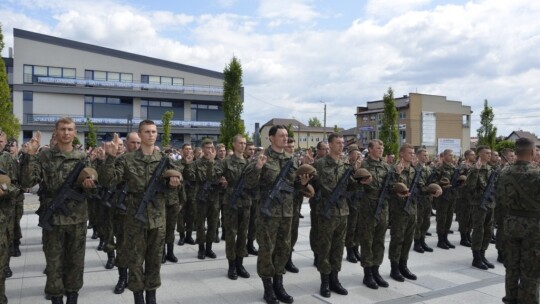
400, 188
432, 188
87, 172
361, 173
444, 182
306, 169
308, 191
172, 173
352, 148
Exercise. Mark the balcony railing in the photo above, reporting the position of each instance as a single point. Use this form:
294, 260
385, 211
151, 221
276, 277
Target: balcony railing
52, 118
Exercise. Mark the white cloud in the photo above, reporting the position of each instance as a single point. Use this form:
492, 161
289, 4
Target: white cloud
288, 10
387, 9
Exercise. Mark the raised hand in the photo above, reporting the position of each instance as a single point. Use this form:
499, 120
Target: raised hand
261, 160
34, 143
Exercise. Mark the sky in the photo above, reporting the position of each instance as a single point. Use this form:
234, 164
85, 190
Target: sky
298, 55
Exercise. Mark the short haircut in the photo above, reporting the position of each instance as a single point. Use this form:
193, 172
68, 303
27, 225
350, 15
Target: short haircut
186, 145
468, 153
332, 136
480, 148
405, 147
250, 143
290, 140
447, 151
420, 151
220, 146
319, 145
238, 137
207, 141
64, 121
146, 122
274, 128
506, 151
524, 146
372, 143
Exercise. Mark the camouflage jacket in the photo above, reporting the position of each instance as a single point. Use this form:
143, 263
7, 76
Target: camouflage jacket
13, 169
378, 169
233, 169
329, 172
477, 182
422, 195
517, 187
136, 169
446, 170
395, 202
206, 175
52, 167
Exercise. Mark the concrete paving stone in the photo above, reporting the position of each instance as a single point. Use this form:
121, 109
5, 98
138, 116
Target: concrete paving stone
468, 297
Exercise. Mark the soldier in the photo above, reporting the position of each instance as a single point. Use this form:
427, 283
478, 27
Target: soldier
12, 148
254, 209
517, 189
221, 153
186, 217
298, 198
508, 158
352, 238
236, 209
331, 220
372, 230
423, 205
322, 151
207, 177
7, 194
445, 204
463, 205
146, 239
275, 220
65, 243
477, 184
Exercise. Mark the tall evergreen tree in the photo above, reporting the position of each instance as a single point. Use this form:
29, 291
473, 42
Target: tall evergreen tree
389, 128
487, 133
9, 124
91, 140
233, 104
166, 120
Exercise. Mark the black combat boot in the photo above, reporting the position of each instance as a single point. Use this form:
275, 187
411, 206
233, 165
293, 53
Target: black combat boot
170, 253
335, 285
269, 295
72, 297
377, 277
464, 241
110, 260
442, 243
469, 237
163, 256
216, 238
394, 272
488, 263
477, 260
222, 234
351, 257
201, 254
182, 239
500, 256
138, 296
189, 238
290, 267
325, 285
231, 273
16, 249
404, 270
450, 245
240, 270
209, 253
122, 280
251, 248
356, 253
424, 245
101, 244
58, 300
94, 233
151, 296
8, 272
368, 279
418, 246
280, 292
315, 259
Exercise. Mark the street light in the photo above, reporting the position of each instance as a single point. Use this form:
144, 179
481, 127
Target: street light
324, 123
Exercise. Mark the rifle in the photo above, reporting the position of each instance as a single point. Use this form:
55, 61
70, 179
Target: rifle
105, 197
154, 186
238, 191
279, 185
488, 192
354, 197
121, 198
64, 193
337, 193
413, 190
203, 193
382, 196
453, 182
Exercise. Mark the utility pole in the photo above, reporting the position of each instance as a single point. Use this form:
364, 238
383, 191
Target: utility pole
324, 120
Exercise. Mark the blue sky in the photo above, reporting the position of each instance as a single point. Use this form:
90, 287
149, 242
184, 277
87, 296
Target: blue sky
296, 53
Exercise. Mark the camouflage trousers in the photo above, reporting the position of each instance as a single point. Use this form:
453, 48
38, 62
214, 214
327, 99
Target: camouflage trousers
145, 247
522, 259
464, 216
207, 213
4, 261
500, 214
236, 227
423, 218
171, 213
18, 213
331, 240
116, 240
185, 220
297, 205
253, 215
107, 229
313, 232
64, 248
401, 235
445, 214
482, 224
372, 234
274, 239
352, 238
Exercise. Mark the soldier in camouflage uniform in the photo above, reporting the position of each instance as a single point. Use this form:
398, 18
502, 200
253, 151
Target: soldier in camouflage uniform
463, 205
332, 225
517, 189
186, 217
7, 194
372, 230
65, 243
13, 148
207, 178
236, 213
146, 240
221, 153
352, 238
298, 198
274, 230
423, 203
322, 151
482, 220
508, 158
254, 209
445, 204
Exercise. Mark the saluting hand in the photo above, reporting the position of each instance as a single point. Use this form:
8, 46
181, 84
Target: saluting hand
261, 160
111, 148
34, 143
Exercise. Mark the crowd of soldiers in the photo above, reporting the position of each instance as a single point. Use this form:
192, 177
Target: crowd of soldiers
130, 190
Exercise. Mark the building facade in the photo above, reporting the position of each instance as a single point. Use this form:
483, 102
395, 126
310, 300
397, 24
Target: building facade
429, 121
53, 77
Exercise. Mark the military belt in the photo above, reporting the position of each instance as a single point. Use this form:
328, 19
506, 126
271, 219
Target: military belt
523, 213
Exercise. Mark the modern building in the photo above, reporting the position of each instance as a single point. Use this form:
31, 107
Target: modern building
53, 77
306, 136
429, 121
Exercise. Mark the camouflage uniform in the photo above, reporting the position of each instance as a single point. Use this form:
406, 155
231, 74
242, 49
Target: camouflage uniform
146, 240
463, 207
65, 243
423, 206
187, 215
500, 213
207, 199
6, 199
352, 238
331, 232
13, 210
446, 203
482, 220
373, 231
517, 189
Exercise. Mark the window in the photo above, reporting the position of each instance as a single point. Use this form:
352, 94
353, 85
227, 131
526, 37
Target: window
28, 96
32, 72
163, 80
55, 72
113, 76
107, 76
125, 77
402, 115
100, 75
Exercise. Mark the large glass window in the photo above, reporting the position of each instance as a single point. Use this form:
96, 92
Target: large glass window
164, 80
108, 76
32, 72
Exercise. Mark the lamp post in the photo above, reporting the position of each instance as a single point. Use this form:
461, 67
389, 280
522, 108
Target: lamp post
324, 120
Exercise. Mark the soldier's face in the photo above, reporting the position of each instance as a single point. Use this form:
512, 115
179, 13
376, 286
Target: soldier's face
221, 153
148, 135
289, 148
2, 141
65, 133
472, 157
336, 146
133, 143
187, 150
250, 151
208, 149
407, 155
240, 145
376, 151
423, 157
280, 139
485, 155
323, 150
